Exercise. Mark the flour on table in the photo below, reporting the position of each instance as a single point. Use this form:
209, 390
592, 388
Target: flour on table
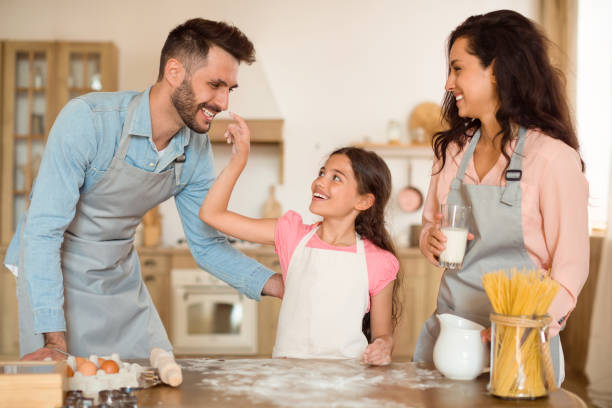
312, 383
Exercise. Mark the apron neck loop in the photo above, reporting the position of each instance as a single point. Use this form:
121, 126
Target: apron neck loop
124, 142
359, 246
469, 152
512, 192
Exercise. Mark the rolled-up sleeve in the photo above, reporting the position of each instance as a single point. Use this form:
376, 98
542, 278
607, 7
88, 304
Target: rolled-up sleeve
211, 249
564, 194
70, 147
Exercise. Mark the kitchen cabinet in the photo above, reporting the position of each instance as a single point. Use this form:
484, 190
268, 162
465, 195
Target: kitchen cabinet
268, 310
38, 78
9, 329
419, 289
155, 270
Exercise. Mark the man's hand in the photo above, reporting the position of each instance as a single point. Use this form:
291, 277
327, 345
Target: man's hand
53, 341
274, 286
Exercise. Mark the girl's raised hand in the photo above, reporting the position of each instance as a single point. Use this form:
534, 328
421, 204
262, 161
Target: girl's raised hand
378, 352
239, 135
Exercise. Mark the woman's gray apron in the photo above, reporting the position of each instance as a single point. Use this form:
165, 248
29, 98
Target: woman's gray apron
497, 244
106, 304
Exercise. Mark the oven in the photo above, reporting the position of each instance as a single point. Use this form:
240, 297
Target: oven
209, 316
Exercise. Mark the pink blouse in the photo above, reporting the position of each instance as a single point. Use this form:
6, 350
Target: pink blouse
554, 210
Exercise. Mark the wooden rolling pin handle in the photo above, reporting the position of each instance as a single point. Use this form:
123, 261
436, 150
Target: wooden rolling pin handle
169, 372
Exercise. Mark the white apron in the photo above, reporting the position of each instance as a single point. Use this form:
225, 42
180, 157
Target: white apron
106, 303
326, 297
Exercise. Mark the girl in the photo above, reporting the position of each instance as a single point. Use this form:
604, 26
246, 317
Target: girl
335, 270
512, 154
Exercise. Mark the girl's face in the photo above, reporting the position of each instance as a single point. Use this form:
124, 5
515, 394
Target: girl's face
335, 190
472, 85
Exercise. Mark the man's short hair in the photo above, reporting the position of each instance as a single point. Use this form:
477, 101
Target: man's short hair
190, 42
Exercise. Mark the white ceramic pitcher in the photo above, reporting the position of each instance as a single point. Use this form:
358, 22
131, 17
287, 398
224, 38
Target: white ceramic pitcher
459, 352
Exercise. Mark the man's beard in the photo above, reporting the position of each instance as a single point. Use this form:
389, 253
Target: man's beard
183, 99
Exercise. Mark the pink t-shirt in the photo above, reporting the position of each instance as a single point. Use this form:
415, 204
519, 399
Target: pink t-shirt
555, 196
382, 265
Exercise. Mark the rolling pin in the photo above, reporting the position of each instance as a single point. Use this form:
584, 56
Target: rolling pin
169, 372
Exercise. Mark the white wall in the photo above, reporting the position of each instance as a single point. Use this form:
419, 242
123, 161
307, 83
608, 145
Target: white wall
338, 70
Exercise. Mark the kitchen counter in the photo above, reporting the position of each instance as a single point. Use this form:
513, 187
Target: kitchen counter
323, 383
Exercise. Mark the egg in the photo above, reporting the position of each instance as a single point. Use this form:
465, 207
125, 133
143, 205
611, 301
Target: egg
87, 368
79, 361
69, 371
100, 362
110, 367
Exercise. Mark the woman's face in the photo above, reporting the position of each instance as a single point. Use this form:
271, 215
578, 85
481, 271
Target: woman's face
472, 85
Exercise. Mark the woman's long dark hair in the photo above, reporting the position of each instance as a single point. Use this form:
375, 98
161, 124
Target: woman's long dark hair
373, 177
531, 91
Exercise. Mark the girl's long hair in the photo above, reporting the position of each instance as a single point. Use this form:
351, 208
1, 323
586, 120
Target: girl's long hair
373, 177
531, 91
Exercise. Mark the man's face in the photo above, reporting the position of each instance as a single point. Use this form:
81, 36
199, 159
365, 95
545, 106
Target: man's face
206, 92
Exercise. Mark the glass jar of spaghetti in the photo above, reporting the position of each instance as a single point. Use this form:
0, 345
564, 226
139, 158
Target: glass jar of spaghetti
521, 366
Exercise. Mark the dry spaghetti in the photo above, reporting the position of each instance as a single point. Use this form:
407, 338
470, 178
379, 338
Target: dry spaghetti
520, 300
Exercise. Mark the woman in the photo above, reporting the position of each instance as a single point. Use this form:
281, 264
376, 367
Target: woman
511, 153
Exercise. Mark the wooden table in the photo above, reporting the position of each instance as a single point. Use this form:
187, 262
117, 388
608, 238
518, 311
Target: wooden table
323, 383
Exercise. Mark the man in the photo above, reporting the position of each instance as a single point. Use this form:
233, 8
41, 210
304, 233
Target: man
111, 157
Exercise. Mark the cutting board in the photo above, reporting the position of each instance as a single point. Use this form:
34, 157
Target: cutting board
26, 384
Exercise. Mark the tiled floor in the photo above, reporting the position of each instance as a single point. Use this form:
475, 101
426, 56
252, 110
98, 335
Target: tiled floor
597, 395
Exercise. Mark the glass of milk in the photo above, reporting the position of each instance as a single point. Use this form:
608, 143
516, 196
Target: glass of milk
455, 228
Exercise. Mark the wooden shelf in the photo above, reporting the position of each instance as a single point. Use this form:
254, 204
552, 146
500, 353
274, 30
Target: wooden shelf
399, 150
33, 136
23, 89
262, 130
82, 90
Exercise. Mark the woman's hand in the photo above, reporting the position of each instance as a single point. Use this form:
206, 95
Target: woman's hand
485, 335
378, 352
239, 135
433, 241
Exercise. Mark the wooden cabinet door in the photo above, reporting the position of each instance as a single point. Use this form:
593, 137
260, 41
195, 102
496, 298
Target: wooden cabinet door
267, 313
85, 67
38, 79
28, 89
419, 288
155, 271
9, 326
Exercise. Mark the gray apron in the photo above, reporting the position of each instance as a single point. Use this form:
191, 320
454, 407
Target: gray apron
497, 244
106, 304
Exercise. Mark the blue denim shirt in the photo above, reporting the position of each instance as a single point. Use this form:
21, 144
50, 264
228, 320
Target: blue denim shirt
80, 147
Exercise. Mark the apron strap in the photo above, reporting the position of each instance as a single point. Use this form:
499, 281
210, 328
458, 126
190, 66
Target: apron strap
512, 192
359, 246
469, 152
124, 142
